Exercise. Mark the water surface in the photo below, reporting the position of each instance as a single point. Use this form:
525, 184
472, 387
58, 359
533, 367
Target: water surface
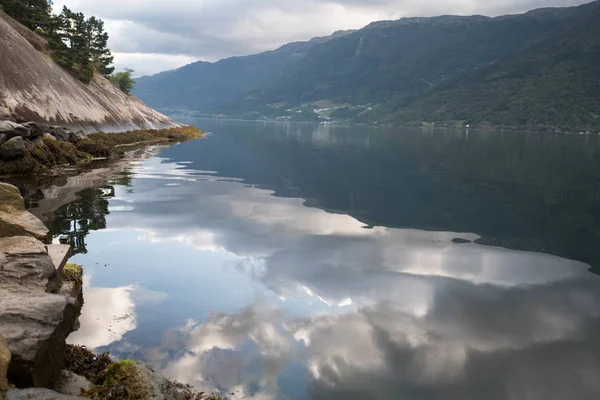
282, 261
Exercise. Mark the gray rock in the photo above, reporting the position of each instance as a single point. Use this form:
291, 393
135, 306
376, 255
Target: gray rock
36, 325
36, 130
72, 384
76, 137
15, 220
38, 141
48, 136
38, 394
12, 129
26, 263
4, 361
61, 133
2, 138
12, 149
5, 115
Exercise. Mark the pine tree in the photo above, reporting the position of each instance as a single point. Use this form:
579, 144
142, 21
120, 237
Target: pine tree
34, 14
102, 58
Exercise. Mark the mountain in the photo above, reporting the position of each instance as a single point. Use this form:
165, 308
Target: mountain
538, 70
35, 88
204, 86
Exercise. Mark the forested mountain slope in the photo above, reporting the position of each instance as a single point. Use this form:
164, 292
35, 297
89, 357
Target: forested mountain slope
538, 70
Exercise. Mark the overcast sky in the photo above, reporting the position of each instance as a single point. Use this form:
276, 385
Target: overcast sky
156, 35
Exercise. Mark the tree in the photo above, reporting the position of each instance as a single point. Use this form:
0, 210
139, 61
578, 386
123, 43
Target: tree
123, 80
34, 14
102, 58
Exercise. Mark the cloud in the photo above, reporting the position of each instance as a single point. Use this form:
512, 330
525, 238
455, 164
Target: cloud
182, 30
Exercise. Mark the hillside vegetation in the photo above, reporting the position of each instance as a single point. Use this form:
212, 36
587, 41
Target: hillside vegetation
538, 70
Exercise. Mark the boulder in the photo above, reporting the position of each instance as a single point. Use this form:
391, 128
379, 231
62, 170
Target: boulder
72, 384
12, 149
12, 129
15, 220
48, 136
4, 361
5, 115
36, 130
2, 138
36, 325
76, 137
61, 133
38, 394
26, 262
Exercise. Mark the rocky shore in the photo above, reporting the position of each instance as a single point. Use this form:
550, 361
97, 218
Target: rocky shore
41, 298
28, 148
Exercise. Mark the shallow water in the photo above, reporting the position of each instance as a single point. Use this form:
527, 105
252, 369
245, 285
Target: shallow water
282, 261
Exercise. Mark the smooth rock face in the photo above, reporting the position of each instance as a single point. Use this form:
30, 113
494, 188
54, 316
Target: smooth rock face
36, 325
72, 384
14, 219
25, 262
13, 148
5, 115
4, 362
38, 394
12, 129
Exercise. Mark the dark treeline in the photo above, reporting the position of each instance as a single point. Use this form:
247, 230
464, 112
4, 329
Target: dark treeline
76, 43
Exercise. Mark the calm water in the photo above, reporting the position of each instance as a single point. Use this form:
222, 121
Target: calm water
281, 261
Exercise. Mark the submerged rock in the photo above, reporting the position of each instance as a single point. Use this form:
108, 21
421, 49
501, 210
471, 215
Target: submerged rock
72, 384
15, 220
12, 149
38, 394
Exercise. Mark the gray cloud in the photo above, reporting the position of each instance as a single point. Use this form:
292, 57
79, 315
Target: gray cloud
182, 30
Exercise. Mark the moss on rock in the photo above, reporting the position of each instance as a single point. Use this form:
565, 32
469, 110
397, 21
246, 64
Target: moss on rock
52, 153
72, 273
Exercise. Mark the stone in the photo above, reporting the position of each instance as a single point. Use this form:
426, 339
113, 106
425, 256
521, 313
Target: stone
26, 263
12, 129
72, 384
38, 141
15, 220
76, 137
39, 394
48, 136
36, 325
12, 149
5, 115
60, 254
3, 138
61, 133
4, 362
36, 130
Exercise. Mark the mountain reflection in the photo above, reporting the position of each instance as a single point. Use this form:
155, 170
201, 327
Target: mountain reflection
270, 284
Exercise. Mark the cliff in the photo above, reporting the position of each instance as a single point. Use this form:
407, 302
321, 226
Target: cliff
36, 89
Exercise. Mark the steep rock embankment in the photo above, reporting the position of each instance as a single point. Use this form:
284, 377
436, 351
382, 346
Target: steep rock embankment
35, 88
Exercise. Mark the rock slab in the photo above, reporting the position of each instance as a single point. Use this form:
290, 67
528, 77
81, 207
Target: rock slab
14, 218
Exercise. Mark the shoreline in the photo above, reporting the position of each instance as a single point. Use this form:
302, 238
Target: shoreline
46, 154
48, 366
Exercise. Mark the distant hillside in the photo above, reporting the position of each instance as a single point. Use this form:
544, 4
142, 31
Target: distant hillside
35, 88
204, 86
538, 70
